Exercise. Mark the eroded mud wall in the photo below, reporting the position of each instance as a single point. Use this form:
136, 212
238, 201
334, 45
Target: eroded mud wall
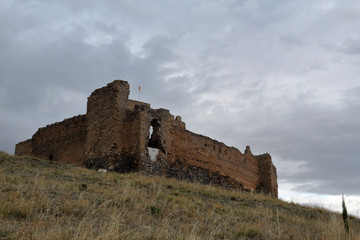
23, 148
112, 131
63, 141
190, 149
126, 135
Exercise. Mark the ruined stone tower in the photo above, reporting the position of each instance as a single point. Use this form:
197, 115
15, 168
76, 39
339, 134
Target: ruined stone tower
123, 135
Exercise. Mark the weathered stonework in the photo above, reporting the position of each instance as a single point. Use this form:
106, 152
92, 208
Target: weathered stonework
125, 135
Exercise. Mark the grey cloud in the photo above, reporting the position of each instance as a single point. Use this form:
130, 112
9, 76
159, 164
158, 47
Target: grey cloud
237, 74
326, 141
30, 72
291, 40
351, 47
352, 97
332, 186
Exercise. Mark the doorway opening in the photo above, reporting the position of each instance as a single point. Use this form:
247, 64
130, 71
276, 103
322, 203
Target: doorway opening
154, 139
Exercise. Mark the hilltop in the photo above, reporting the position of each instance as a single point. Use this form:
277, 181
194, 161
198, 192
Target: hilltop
49, 200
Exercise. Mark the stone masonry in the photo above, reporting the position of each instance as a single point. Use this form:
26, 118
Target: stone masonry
124, 135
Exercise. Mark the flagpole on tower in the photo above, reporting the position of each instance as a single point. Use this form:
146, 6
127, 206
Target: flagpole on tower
139, 92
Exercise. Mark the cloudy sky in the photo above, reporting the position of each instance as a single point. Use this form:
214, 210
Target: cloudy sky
281, 76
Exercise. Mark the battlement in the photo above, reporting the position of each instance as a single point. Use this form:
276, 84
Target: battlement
125, 135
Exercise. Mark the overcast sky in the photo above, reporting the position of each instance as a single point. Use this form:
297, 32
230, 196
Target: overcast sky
281, 76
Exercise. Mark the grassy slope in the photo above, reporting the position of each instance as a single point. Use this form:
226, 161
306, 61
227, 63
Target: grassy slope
48, 200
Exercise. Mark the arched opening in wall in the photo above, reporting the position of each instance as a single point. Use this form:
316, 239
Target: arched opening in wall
154, 135
154, 145
51, 157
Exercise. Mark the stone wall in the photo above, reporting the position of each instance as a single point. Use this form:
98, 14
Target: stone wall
267, 174
112, 134
202, 152
159, 121
125, 135
133, 103
185, 155
23, 148
63, 141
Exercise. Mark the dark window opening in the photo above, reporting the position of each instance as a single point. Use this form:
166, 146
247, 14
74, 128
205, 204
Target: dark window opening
154, 133
51, 157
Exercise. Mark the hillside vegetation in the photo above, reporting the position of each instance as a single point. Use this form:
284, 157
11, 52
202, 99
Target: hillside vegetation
49, 200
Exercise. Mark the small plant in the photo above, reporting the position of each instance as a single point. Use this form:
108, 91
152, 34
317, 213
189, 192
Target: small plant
291, 237
13, 212
4, 234
155, 210
345, 215
83, 187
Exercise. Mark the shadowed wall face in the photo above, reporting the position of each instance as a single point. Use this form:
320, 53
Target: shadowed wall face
23, 148
112, 140
268, 175
63, 141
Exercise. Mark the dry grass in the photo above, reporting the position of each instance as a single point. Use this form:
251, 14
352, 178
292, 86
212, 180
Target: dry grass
47, 200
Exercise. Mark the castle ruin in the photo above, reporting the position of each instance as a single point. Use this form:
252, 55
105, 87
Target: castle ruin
124, 135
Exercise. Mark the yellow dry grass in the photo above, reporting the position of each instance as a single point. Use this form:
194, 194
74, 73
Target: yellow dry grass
47, 200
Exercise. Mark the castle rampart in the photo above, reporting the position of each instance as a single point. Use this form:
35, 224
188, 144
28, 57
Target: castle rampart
125, 135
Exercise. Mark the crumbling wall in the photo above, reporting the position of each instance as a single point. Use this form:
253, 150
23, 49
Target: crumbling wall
157, 120
133, 103
185, 155
268, 175
63, 141
23, 148
112, 134
190, 149
125, 135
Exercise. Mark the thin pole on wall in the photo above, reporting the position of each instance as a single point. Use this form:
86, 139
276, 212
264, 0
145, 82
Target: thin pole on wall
139, 88
139, 92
